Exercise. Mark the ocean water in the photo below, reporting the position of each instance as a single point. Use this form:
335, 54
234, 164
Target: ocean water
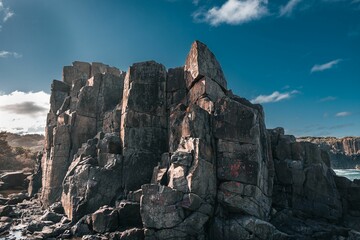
349, 173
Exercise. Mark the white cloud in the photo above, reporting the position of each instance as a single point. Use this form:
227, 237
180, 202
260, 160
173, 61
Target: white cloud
325, 66
23, 112
5, 12
6, 54
233, 12
288, 8
328, 99
274, 97
343, 114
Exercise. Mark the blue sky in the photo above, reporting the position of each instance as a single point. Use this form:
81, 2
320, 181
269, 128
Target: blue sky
299, 58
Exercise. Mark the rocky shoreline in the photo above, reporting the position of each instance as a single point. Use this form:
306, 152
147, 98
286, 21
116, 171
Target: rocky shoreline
173, 154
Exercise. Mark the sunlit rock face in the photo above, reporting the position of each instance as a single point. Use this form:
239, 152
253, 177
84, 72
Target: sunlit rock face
83, 104
174, 154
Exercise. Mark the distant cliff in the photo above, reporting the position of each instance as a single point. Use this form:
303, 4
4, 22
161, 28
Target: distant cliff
344, 152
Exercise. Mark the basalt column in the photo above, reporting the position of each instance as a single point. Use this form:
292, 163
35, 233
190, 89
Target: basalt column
143, 122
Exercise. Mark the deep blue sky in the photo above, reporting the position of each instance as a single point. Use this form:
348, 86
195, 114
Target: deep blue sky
307, 51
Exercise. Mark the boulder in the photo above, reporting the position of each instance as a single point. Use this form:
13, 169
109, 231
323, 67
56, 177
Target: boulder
51, 216
5, 211
13, 180
105, 220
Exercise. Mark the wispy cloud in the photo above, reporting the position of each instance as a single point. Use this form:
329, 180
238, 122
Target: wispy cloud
6, 54
325, 66
24, 112
328, 99
343, 114
233, 12
288, 8
5, 12
274, 97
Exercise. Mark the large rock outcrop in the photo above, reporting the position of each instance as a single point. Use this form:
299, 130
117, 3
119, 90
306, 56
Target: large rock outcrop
81, 105
173, 154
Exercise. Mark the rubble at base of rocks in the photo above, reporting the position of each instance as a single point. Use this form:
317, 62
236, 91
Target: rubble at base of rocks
173, 154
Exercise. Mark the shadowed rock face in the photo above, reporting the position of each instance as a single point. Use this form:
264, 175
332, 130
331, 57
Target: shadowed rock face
179, 150
304, 179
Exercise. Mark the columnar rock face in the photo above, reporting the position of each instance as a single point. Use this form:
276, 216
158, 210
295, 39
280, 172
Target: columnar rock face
143, 128
80, 105
217, 144
304, 180
173, 154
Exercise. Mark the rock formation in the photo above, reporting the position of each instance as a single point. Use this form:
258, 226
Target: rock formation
173, 154
344, 152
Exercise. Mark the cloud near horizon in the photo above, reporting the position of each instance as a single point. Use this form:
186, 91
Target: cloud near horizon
274, 97
233, 12
325, 66
24, 112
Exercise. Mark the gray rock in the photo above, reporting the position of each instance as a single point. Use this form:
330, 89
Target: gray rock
5, 211
13, 180
201, 62
105, 220
51, 216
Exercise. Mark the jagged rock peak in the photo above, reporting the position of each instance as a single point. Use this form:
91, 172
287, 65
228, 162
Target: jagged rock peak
200, 63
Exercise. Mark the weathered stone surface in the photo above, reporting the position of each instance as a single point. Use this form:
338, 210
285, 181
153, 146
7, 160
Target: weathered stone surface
13, 180
105, 220
79, 70
59, 92
5, 211
205, 87
244, 163
35, 178
51, 216
303, 180
82, 227
55, 167
201, 62
244, 227
175, 87
88, 186
160, 207
143, 143
80, 105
